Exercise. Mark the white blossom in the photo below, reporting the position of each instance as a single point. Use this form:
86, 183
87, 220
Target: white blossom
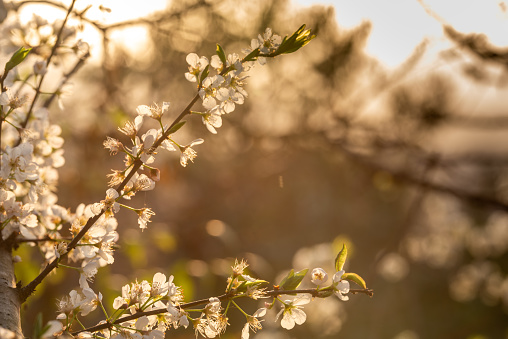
341, 286
196, 66
292, 311
188, 153
253, 323
212, 119
319, 276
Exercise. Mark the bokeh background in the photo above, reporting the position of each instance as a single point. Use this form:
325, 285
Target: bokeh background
404, 160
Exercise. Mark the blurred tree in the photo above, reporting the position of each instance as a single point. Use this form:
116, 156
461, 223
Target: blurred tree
330, 146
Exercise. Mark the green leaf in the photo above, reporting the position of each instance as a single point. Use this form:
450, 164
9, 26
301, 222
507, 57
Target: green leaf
293, 280
177, 127
221, 54
296, 41
17, 58
38, 328
354, 278
252, 56
245, 284
341, 258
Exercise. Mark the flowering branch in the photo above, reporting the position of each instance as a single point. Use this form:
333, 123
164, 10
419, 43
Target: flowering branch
315, 292
48, 61
27, 290
93, 227
198, 69
145, 302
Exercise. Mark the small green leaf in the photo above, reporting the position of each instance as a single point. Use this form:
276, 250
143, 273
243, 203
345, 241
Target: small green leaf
341, 258
354, 278
293, 280
252, 56
38, 328
17, 58
221, 54
245, 284
177, 127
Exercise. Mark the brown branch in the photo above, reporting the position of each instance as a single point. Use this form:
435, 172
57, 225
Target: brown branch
26, 291
228, 296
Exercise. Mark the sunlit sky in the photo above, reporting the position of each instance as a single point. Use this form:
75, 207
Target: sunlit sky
399, 25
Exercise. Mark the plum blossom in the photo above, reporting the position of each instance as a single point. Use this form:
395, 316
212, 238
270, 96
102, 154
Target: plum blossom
177, 316
253, 323
212, 119
130, 128
267, 43
133, 296
208, 90
69, 304
144, 215
229, 97
319, 276
196, 66
8, 99
17, 161
154, 111
113, 145
233, 61
108, 204
341, 287
188, 153
211, 323
17, 216
292, 311
90, 302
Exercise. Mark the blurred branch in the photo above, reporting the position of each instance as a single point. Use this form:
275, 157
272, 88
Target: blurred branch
479, 122
383, 142
475, 43
66, 78
425, 183
153, 20
415, 204
478, 45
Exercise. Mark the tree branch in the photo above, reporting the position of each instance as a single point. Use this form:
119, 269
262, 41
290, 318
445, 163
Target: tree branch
273, 293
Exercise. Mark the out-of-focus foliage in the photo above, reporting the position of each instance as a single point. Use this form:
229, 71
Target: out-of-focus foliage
397, 164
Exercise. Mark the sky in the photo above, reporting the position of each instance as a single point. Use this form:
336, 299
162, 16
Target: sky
399, 25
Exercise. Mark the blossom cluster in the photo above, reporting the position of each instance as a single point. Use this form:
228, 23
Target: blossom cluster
220, 93
32, 152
